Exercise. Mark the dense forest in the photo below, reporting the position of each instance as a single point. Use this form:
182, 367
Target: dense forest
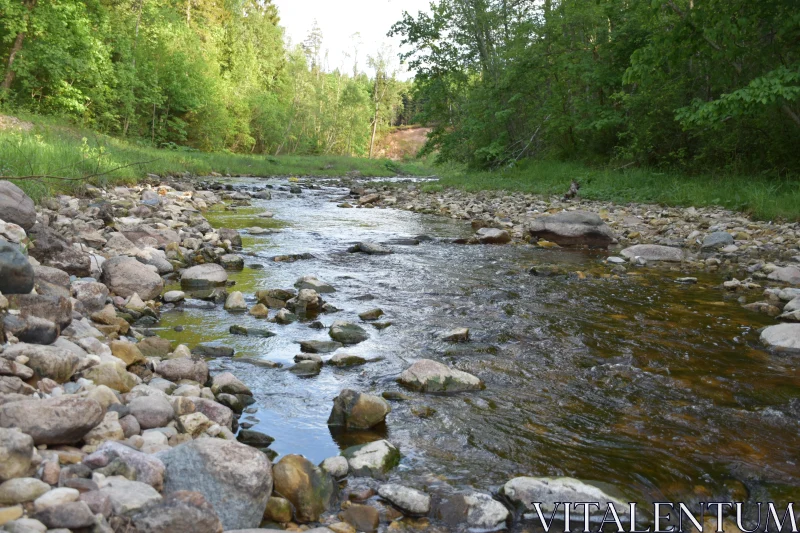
689, 84
206, 74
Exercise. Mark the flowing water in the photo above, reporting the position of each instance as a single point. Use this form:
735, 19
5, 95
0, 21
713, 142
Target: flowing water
658, 388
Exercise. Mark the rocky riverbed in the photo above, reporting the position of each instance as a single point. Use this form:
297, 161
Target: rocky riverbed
164, 344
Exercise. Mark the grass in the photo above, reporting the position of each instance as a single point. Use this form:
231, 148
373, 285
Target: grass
764, 198
55, 149
66, 151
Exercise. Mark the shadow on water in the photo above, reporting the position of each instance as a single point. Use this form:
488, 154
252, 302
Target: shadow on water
659, 388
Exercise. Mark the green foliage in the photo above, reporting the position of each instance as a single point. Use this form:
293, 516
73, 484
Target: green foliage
204, 74
677, 83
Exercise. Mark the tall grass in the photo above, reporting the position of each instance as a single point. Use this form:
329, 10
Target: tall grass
70, 154
763, 197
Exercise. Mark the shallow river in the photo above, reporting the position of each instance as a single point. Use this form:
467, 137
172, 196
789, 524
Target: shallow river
658, 388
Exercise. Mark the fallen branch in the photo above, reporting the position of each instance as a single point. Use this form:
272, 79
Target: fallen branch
81, 178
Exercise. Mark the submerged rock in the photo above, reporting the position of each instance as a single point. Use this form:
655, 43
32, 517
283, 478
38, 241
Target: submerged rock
572, 228
370, 248
493, 236
320, 346
654, 252
430, 376
305, 485
311, 282
347, 332
355, 410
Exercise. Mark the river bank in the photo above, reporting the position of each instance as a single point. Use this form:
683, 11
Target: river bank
396, 291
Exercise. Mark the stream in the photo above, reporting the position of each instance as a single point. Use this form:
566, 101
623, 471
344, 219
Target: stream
659, 388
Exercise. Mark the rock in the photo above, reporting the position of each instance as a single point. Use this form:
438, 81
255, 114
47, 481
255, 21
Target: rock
789, 274
113, 376
306, 368
194, 368
493, 236
16, 273
25, 525
372, 314
278, 510
204, 277
58, 496
142, 235
207, 350
308, 488
521, 492
229, 384
59, 420
260, 311
127, 351
125, 276
319, 346
194, 424
46, 361
215, 411
174, 296
179, 512
31, 329
255, 439
346, 359
232, 262
716, 240
11, 232
16, 206
151, 411
429, 376
148, 468
354, 410
369, 248
792, 305
572, 228
234, 478
374, 459
22, 490
336, 466
73, 515
347, 332
654, 252
410, 501
783, 337
456, 335
92, 295
362, 517
108, 429
226, 234
235, 302
8, 514
129, 496
16, 452
478, 511
15, 385
154, 347
52, 250
307, 300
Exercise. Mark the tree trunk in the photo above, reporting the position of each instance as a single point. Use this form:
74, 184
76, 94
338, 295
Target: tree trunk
15, 49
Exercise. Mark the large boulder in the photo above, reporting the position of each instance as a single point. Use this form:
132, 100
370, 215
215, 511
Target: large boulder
51, 362
204, 277
305, 485
59, 420
572, 228
374, 459
429, 376
522, 492
126, 276
476, 510
783, 337
234, 478
180, 512
354, 410
56, 309
654, 252
16, 206
16, 273
789, 274
347, 332
52, 250
16, 453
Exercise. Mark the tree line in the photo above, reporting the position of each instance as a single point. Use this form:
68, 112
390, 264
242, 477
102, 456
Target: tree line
689, 84
199, 74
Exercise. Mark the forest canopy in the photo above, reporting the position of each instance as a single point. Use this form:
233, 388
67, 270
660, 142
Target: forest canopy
689, 84
204, 74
